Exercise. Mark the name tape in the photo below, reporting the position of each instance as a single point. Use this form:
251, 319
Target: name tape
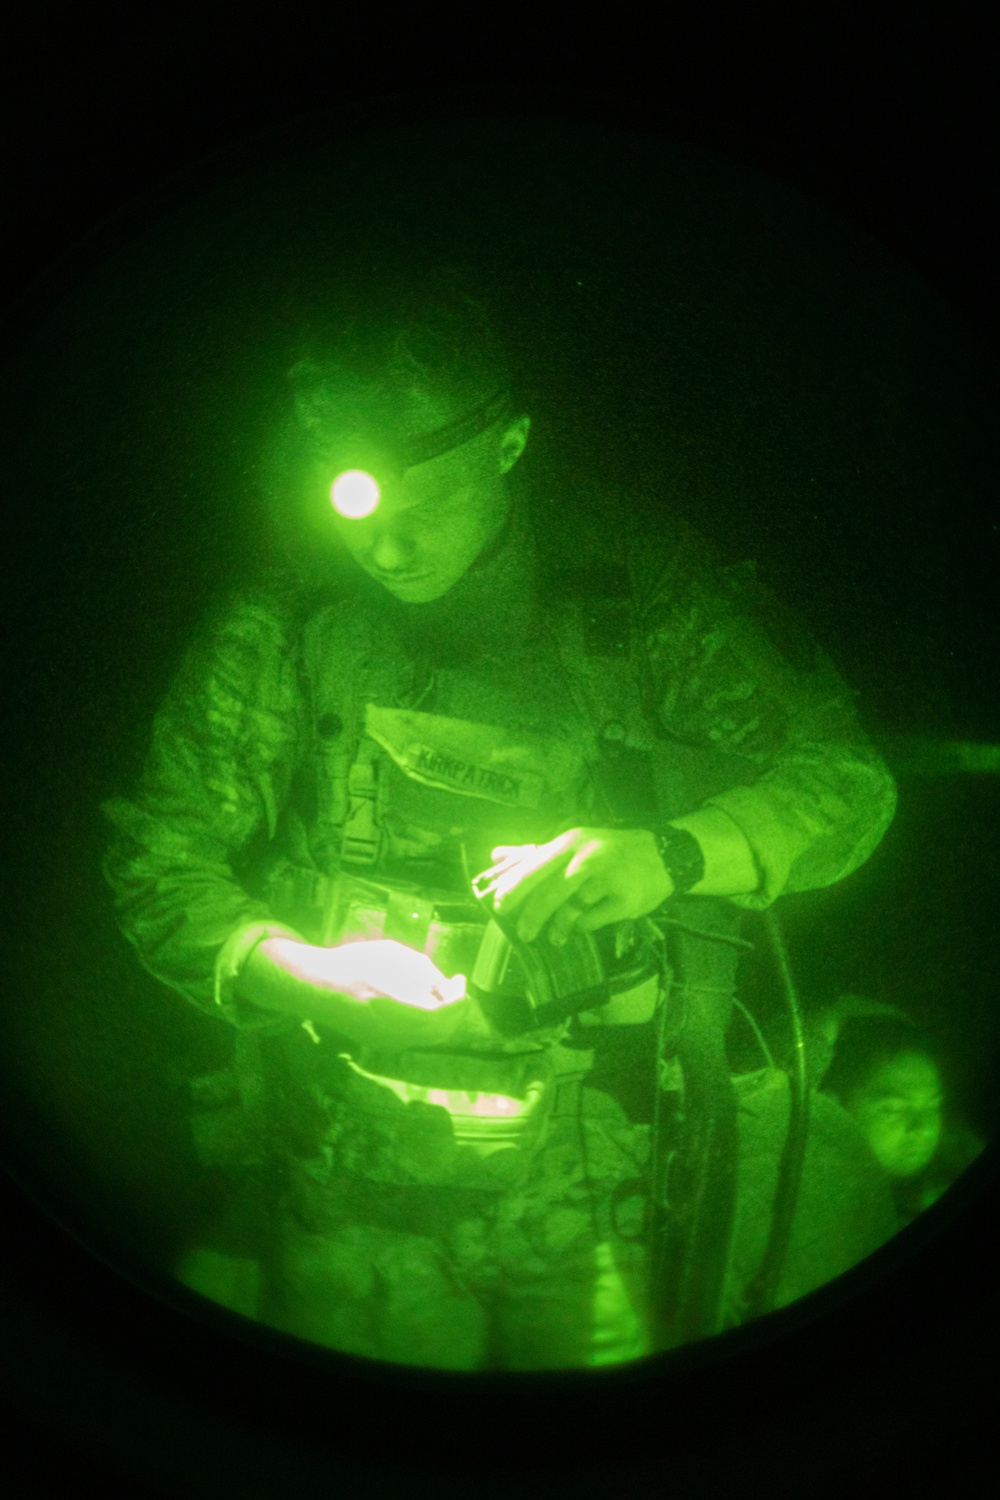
440, 768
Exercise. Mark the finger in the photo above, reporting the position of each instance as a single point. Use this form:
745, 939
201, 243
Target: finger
504, 856
573, 914
545, 901
517, 885
505, 871
504, 853
603, 912
512, 889
584, 856
448, 991
565, 854
564, 921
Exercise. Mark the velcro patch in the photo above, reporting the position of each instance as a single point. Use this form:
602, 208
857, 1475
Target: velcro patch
474, 760
438, 768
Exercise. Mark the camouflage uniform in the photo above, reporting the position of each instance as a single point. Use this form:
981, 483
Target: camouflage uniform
339, 771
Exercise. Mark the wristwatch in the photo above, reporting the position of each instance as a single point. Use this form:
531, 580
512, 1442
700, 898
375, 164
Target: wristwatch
682, 857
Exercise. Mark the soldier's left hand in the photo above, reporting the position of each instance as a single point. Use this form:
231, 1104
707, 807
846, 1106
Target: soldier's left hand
586, 878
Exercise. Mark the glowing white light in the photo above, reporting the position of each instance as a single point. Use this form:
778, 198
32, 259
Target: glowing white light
354, 494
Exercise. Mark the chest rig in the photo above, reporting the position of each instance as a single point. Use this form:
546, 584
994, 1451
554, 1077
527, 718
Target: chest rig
418, 774
413, 776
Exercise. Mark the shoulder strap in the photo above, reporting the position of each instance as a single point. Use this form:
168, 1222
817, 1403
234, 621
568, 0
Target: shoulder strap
600, 650
354, 662
362, 835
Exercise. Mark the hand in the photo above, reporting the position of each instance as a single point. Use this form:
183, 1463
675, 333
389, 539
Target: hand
407, 1001
586, 878
385, 970
379, 993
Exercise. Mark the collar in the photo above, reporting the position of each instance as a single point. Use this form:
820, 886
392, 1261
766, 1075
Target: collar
490, 610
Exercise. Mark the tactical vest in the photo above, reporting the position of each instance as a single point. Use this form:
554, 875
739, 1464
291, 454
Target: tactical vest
410, 780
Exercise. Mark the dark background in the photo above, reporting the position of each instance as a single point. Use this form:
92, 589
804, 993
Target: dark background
814, 403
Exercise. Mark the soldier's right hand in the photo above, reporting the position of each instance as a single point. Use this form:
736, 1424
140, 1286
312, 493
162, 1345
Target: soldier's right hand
378, 992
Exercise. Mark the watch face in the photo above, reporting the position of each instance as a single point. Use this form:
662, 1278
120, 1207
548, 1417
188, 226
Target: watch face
368, 1143
683, 857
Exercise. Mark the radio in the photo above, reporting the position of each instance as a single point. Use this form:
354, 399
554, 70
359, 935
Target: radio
523, 987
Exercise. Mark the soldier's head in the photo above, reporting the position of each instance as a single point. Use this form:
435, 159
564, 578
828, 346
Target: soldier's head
885, 1074
404, 404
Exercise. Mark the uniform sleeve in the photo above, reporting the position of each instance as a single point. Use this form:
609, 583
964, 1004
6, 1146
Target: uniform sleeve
223, 752
731, 669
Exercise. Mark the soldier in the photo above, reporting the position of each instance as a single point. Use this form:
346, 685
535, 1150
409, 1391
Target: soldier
446, 835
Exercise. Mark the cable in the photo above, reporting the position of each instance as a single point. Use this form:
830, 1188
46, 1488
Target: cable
656, 1231
756, 1031
729, 939
759, 1296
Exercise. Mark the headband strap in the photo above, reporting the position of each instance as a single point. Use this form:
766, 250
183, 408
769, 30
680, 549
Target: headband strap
430, 445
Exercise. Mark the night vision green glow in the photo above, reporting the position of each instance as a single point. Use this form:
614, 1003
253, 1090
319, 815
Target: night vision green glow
354, 494
461, 859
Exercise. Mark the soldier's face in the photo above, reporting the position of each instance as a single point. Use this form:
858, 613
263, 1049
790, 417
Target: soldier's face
431, 525
899, 1111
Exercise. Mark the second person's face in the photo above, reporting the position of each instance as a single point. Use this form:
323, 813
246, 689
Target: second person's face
899, 1111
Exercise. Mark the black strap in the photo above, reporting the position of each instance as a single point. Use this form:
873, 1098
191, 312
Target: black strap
694, 1156
432, 444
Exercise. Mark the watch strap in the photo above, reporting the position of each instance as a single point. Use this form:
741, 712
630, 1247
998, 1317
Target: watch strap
682, 857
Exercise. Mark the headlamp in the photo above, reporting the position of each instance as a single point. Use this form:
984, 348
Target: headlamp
367, 464
354, 494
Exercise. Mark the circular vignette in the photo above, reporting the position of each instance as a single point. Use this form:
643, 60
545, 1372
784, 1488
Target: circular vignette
740, 1346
